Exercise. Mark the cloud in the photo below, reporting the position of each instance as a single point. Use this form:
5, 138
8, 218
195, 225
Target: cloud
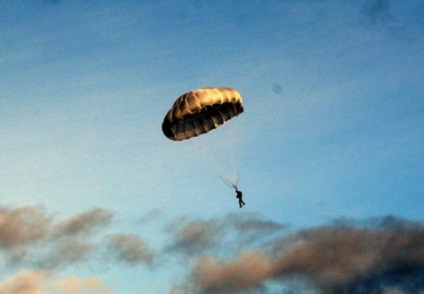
198, 236
65, 252
30, 237
41, 245
28, 226
23, 226
251, 229
28, 282
70, 285
345, 257
246, 271
85, 223
193, 237
152, 215
23, 283
129, 249
236, 253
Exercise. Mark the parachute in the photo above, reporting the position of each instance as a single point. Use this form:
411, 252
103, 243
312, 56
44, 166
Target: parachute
196, 113
199, 111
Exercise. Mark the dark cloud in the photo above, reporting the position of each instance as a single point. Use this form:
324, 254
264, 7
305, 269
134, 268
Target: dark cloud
379, 255
129, 249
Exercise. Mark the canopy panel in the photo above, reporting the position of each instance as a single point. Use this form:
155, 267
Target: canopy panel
200, 111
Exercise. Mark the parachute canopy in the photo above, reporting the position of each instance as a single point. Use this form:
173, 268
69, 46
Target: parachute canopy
200, 111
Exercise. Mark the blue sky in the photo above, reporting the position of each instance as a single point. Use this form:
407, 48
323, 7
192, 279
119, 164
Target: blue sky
332, 130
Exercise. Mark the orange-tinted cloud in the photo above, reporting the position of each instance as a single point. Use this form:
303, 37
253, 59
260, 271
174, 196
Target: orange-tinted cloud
29, 282
244, 272
23, 226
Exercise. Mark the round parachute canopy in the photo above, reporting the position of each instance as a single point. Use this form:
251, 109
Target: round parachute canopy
200, 111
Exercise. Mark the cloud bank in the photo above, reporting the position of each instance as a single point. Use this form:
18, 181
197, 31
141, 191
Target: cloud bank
236, 253
345, 257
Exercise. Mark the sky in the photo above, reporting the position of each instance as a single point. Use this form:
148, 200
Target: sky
328, 152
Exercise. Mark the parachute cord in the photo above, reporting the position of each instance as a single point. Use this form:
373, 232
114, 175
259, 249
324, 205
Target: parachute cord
232, 140
230, 183
234, 143
227, 182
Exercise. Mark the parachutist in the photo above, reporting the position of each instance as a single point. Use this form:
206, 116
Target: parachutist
240, 198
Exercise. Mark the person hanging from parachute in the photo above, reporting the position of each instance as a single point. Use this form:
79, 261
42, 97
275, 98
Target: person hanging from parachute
239, 194
199, 111
240, 197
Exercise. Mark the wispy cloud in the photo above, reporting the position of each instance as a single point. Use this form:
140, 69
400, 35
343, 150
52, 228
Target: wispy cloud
193, 237
85, 223
198, 236
65, 252
130, 249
